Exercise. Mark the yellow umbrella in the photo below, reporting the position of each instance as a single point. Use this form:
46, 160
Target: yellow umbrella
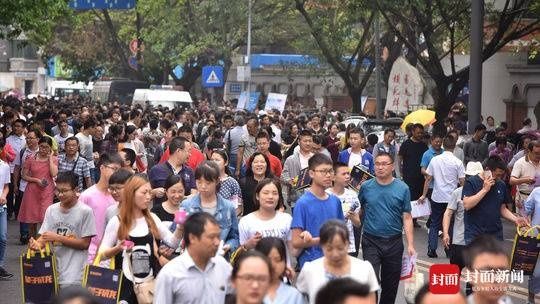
422, 116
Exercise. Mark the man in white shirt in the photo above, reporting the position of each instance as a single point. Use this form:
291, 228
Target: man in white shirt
198, 275
446, 171
17, 141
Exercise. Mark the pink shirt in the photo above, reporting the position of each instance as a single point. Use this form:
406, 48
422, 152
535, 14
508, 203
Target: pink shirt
99, 202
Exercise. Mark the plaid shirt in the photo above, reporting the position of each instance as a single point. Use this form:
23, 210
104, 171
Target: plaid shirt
80, 168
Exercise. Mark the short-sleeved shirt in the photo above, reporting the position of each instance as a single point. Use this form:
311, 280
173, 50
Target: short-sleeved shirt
86, 148
98, 201
524, 167
20, 159
412, 153
426, 159
485, 217
446, 170
77, 222
456, 204
349, 200
159, 173
383, 207
309, 214
249, 144
5, 178
17, 143
279, 226
230, 190
79, 166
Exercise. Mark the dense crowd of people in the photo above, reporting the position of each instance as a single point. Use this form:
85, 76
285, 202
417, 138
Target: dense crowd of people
109, 181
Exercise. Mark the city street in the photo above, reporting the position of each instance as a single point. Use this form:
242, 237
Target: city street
11, 291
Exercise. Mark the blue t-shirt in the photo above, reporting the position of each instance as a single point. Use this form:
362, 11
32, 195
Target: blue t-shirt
309, 214
426, 159
383, 207
485, 217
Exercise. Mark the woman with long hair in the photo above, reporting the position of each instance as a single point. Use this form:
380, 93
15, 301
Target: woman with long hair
208, 200
258, 168
132, 237
39, 171
279, 292
229, 188
131, 141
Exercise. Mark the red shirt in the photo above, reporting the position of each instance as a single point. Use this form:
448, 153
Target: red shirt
195, 158
275, 165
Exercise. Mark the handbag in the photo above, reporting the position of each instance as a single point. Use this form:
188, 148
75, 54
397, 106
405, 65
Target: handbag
104, 283
525, 250
38, 276
144, 291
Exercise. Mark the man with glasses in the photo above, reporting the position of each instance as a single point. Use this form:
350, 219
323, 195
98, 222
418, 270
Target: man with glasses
179, 148
69, 227
19, 184
17, 141
313, 209
386, 212
71, 161
99, 198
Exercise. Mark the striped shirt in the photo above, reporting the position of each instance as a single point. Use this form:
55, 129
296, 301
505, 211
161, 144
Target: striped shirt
78, 165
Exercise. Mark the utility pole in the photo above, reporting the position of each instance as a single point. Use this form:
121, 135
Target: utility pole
475, 73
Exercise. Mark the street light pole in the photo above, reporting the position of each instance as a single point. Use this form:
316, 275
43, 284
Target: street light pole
248, 59
475, 72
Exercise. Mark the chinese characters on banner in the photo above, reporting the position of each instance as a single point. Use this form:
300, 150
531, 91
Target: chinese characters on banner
405, 87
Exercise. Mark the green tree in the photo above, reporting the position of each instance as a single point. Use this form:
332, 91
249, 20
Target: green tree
33, 18
343, 34
441, 30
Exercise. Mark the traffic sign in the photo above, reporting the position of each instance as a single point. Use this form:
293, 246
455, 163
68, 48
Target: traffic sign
212, 76
101, 4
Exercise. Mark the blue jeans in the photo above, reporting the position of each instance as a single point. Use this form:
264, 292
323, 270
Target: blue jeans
3, 234
232, 164
437, 212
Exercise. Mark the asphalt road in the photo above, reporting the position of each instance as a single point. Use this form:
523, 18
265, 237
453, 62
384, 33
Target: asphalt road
11, 293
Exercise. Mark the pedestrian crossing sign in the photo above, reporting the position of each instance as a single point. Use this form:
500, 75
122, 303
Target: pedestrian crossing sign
212, 76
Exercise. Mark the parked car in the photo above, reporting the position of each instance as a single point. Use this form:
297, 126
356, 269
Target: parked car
377, 127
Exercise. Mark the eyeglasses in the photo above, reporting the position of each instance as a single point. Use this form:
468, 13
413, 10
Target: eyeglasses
325, 171
62, 191
382, 164
112, 167
116, 189
250, 278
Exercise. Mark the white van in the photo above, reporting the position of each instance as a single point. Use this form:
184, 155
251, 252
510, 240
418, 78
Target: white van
164, 98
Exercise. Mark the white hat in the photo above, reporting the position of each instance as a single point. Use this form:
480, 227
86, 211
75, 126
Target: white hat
474, 168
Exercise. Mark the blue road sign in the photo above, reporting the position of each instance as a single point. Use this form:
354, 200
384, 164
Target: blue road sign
101, 4
212, 76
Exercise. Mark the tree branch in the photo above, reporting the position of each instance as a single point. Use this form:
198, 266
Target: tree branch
361, 43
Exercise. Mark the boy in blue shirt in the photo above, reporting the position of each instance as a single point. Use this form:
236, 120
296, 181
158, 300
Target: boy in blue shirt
313, 209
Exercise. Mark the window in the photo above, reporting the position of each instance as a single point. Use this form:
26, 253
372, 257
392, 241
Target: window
235, 87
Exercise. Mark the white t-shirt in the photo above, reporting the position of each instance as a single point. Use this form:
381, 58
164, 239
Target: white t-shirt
140, 229
355, 159
313, 276
86, 148
76, 222
304, 160
279, 226
5, 177
446, 170
348, 198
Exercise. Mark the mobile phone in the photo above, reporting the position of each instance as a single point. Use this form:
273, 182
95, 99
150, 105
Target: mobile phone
487, 174
354, 207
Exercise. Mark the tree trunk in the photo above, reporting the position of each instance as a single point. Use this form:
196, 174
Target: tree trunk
356, 95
